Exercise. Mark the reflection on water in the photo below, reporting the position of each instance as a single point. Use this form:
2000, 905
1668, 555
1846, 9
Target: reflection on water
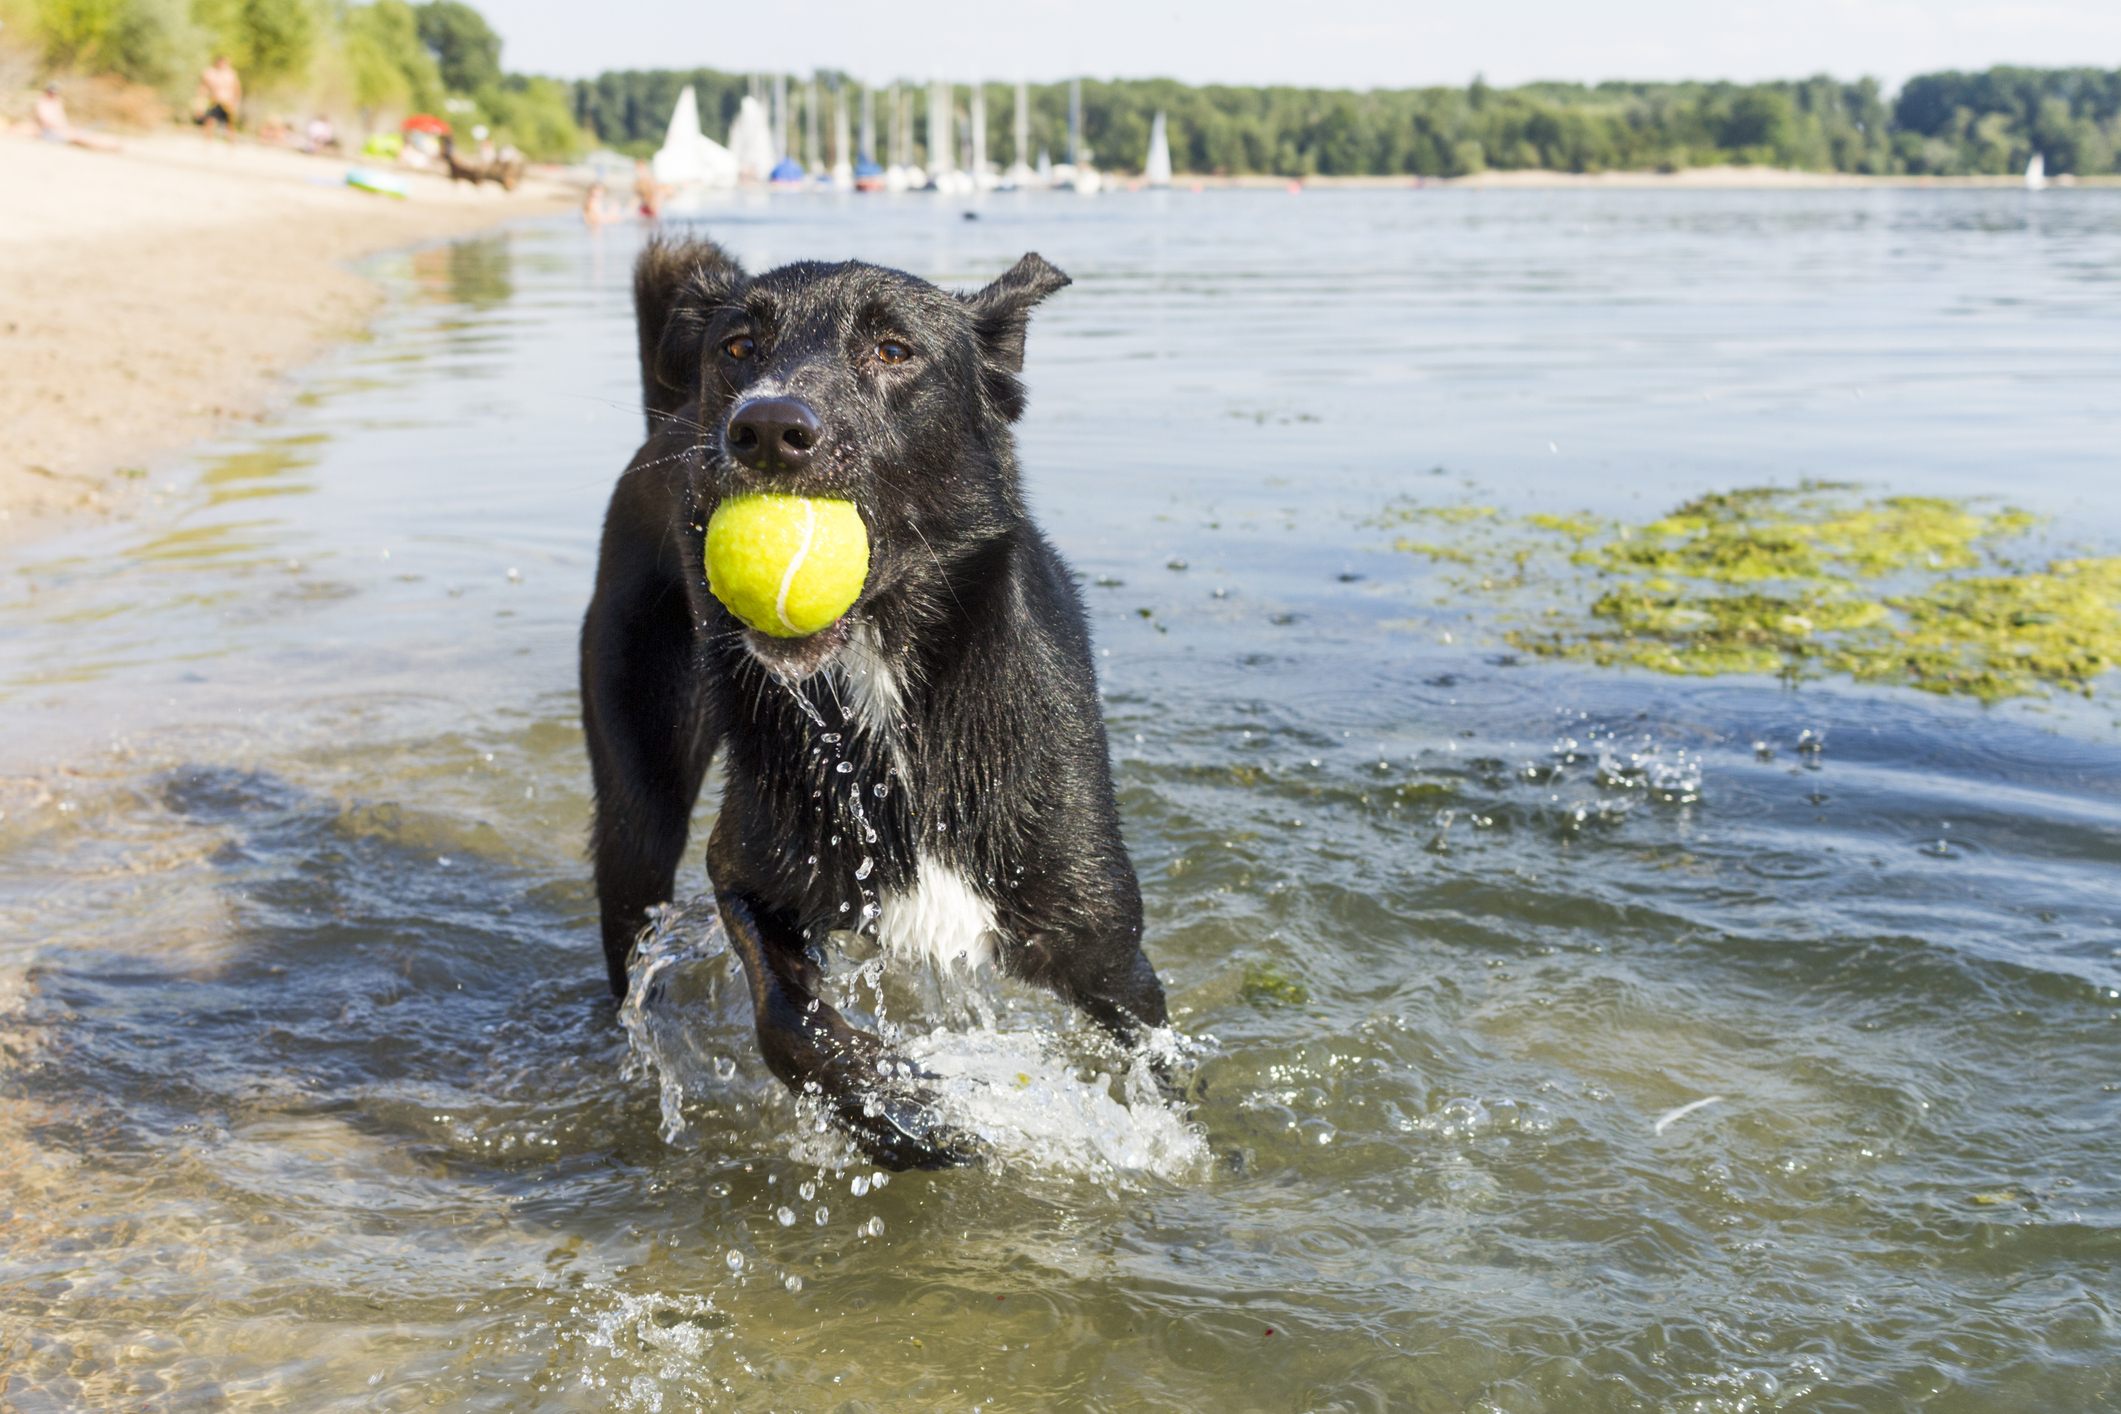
473, 273
310, 1096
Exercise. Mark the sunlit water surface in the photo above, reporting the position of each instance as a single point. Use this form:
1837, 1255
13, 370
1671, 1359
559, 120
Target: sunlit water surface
311, 1098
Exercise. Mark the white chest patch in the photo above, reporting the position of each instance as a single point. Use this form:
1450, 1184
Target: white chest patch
940, 919
871, 689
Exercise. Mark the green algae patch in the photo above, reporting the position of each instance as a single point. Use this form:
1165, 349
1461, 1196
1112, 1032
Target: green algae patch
1799, 582
1266, 985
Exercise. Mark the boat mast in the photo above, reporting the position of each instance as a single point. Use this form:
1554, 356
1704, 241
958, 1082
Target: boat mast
813, 159
1075, 122
939, 134
1023, 123
842, 164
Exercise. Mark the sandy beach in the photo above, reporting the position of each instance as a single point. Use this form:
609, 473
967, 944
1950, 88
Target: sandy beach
151, 296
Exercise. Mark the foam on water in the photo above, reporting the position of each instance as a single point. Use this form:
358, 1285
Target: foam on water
1038, 1097
1036, 1110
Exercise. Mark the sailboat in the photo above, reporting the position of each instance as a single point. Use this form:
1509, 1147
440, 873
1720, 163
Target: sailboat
751, 141
943, 175
867, 175
2036, 173
1020, 174
842, 167
1157, 170
1077, 171
899, 176
787, 172
983, 174
688, 158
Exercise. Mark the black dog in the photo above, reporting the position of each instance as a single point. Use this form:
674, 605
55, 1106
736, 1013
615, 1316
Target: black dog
931, 768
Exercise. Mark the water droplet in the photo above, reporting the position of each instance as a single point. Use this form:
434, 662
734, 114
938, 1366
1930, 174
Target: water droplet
844, 768
844, 905
736, 1260
881, 790
873, 1228
792, 1282
808, 1190
880, 1178
832, 736
861, 870
724, 1068
859, 1187
824, 1215
784, 1216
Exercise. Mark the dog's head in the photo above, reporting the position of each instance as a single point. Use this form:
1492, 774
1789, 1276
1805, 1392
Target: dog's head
861, 384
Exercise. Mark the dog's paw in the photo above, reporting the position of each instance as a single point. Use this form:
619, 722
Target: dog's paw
902, 1131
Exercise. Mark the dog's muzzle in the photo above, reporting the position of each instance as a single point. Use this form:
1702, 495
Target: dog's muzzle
794, 659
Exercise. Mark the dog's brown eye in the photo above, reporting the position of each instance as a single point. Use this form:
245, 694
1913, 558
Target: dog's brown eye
892, 351
740, 347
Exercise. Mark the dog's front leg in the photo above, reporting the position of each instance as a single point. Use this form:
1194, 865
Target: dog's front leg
816, 1051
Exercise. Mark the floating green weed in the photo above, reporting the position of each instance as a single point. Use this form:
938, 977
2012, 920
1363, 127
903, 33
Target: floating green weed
1266, 984
1798, 582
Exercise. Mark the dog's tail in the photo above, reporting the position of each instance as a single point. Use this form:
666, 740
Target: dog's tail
669, 267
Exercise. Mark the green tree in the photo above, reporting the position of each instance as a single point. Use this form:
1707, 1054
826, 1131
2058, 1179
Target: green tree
146, 41
536, 114
464, 46
270, 42
391, 68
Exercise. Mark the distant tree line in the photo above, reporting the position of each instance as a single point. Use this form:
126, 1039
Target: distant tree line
1940, 124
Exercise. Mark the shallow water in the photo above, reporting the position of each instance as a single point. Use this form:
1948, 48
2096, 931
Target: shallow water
310, 1097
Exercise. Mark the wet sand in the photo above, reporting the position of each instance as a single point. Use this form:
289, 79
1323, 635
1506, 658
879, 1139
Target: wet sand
150, 297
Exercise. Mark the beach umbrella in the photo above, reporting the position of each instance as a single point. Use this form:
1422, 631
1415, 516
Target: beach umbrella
425, 123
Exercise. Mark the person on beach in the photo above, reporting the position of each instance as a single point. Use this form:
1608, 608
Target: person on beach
596, 211
648, 191
53, 126
220, 97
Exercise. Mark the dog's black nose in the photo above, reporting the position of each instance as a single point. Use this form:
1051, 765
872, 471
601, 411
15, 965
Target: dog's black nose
774, 434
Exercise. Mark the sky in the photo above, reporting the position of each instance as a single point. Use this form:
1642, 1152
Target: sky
1323, 43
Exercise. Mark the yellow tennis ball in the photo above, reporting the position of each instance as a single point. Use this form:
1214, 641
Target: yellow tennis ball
786, 565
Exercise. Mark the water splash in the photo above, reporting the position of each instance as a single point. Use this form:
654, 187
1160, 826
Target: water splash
1018, 1092
1040, 1096
686, 1009
1671, 779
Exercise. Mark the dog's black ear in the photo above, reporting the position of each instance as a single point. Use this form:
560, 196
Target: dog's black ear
675, 283
1000, 315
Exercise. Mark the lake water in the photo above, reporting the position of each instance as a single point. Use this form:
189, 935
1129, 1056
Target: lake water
311, 1097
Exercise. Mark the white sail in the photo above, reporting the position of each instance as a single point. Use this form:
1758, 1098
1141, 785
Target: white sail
1157, 170
688, 157
751, 141
2036, 173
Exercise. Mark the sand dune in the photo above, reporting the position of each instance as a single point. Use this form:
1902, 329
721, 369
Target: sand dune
151, 296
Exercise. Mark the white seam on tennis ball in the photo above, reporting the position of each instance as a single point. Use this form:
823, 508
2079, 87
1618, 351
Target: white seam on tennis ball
802, 552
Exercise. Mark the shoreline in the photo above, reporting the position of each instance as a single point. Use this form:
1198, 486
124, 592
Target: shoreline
153, 297
1540, 179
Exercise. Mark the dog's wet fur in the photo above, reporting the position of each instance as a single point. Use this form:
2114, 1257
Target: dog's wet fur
961, 680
